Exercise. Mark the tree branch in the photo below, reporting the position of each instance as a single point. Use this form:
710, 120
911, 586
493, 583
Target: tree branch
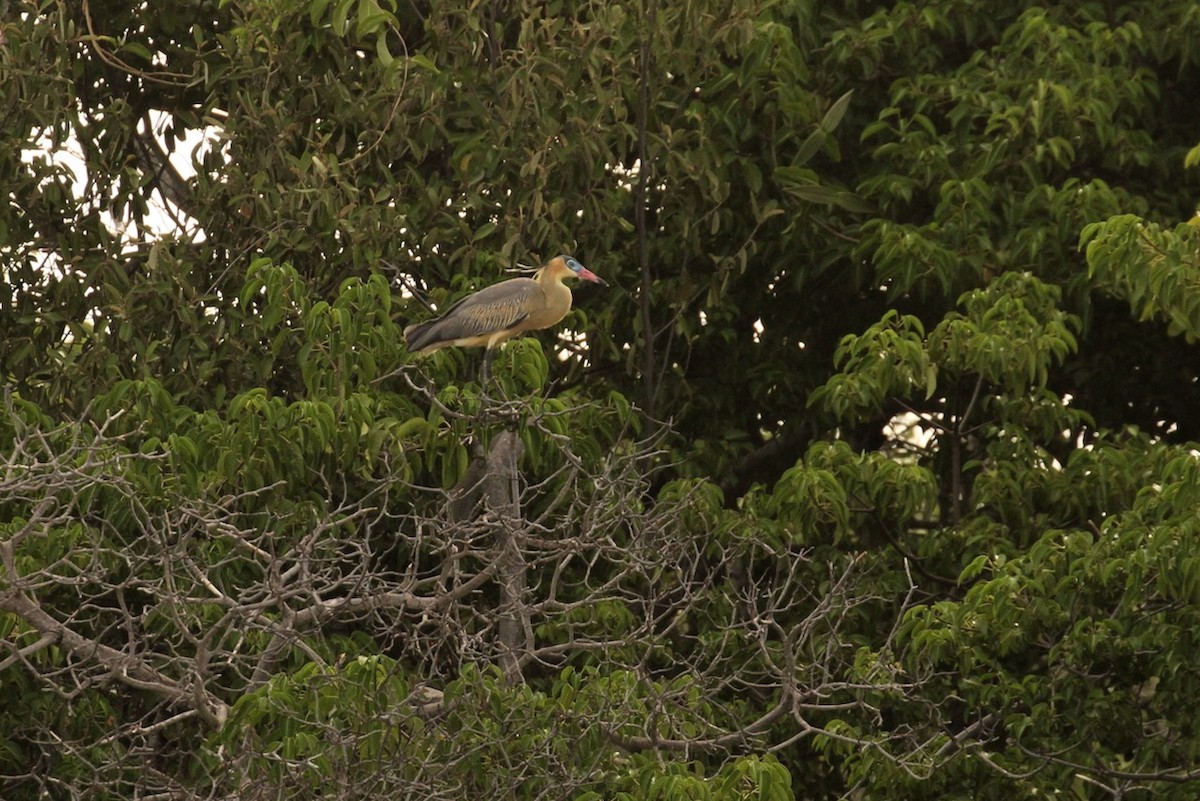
122, 666
640, 199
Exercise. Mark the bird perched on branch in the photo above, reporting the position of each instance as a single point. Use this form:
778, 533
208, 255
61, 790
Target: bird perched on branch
501, 311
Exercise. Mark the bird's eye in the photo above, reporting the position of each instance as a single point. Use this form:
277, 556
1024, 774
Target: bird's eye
574, 265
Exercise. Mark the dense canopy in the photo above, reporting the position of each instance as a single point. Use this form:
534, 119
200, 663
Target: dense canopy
872, 474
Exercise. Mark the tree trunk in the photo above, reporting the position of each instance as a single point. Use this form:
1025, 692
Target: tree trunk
490, 488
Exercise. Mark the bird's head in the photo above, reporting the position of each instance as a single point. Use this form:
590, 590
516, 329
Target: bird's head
578, 270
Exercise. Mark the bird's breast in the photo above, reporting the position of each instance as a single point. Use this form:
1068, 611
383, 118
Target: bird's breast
556, 302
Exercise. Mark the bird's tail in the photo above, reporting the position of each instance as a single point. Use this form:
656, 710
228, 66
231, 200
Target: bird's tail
418, 336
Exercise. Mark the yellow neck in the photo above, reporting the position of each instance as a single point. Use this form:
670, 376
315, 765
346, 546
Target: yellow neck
557, 295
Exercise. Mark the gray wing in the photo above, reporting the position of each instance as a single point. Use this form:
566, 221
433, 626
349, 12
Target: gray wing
495, 308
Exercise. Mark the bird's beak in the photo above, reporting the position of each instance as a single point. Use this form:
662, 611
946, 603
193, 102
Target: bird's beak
588, 275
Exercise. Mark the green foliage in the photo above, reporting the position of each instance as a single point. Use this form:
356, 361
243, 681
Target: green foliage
860, 480
1156, 270
890, 358
1010, 335
1113, 606
282, 733
835, 494
745, 778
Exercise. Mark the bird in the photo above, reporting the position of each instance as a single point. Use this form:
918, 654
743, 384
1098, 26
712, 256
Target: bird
501, 311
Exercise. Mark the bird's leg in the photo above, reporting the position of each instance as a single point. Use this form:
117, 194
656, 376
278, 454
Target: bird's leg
485, 370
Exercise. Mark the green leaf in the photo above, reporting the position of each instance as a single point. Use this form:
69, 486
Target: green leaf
341, 16
836, 112
1192, 158
371, 18
424, 62
811, 146
814, 193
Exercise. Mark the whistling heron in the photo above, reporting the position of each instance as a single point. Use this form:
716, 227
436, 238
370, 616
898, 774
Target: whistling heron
501, 311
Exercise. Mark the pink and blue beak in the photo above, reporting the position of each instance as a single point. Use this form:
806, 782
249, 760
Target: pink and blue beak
584, 272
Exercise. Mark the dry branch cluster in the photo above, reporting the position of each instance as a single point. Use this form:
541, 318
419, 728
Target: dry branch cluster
158, 607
